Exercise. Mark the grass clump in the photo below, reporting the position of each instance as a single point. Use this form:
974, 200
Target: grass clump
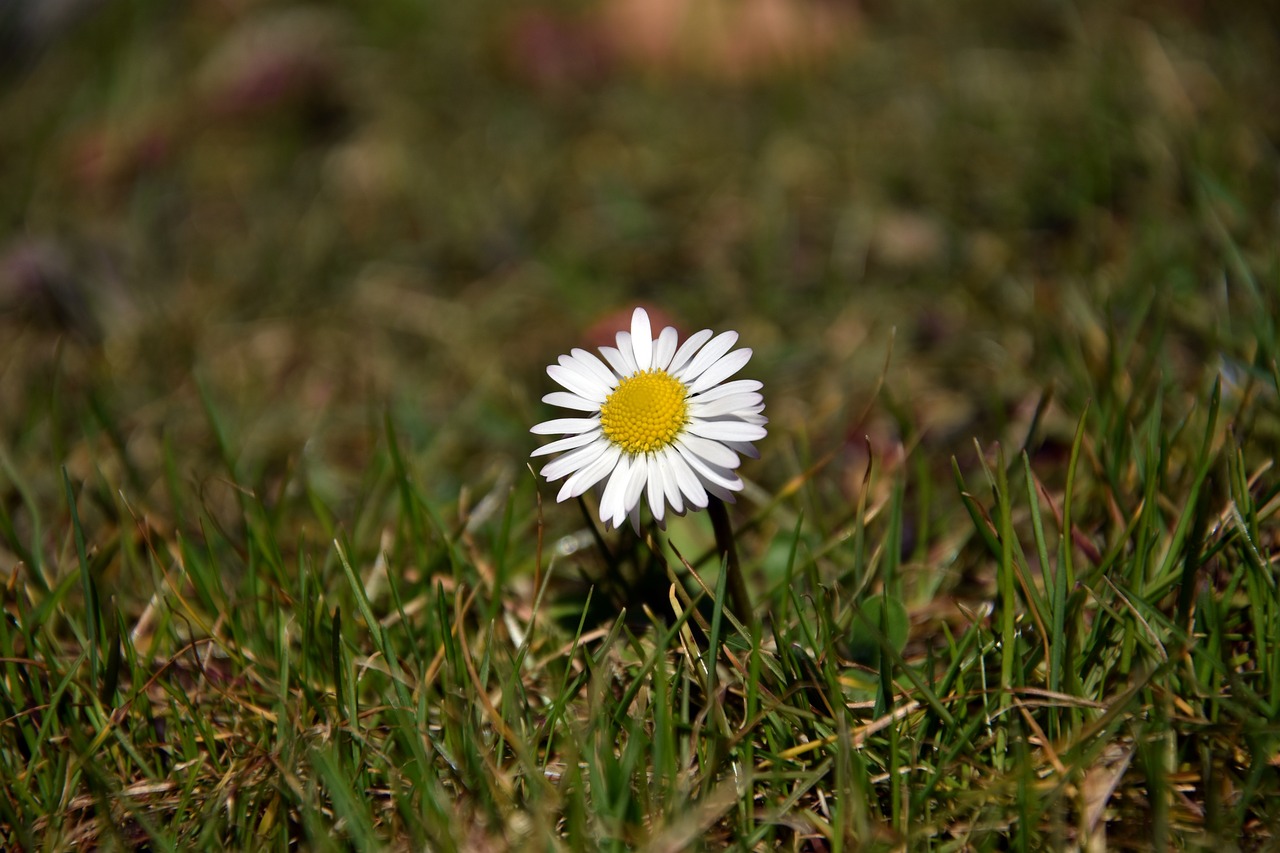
1040, 674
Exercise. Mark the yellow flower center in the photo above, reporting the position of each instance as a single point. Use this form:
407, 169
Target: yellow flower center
645, 412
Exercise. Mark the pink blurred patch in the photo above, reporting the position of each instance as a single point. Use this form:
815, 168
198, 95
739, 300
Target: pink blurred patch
726, 40
272, 62
105, 157
604, 331
553, 53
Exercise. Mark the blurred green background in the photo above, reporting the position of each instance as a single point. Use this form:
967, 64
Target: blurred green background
920, 216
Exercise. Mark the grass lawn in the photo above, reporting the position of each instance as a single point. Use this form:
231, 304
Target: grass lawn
278, 286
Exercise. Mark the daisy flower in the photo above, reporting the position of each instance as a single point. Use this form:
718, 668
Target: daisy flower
656, 419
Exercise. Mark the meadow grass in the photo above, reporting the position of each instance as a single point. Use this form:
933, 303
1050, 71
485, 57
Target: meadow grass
277, 574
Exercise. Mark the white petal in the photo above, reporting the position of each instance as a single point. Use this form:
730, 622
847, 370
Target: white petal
572, 377
712, 475
569, 443
670, 482
722, 493
566, 400
568, 362
737, 386
712, 451
684, 477
635, 484
642, 339
579, 458
743, 448
597, 368
687, 349
611, 501
590, 474
565, 426
726, 430
614, 358
628, 354
733, 404
708, 356
656, 490
721, 370
664, 348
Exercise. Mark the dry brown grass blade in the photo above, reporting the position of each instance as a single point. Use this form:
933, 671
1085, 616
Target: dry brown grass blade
1100, 783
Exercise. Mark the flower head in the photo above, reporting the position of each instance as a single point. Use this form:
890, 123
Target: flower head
658, 419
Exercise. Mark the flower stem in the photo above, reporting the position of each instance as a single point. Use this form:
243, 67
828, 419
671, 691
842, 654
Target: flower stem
739, 598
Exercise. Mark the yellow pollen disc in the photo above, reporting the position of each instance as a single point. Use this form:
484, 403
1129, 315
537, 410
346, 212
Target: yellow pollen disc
645, 412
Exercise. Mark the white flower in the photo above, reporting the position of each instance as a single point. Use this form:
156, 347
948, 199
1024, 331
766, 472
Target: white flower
657, 420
